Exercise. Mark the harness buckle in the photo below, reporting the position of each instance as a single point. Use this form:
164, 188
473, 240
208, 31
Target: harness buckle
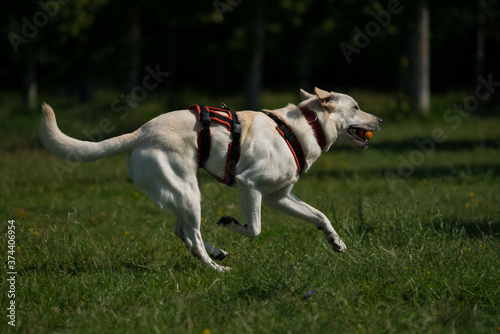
224, 106
288, 133
236, 129
205, 117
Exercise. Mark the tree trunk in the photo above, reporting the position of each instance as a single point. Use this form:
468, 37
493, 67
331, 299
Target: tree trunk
134, 46
305, 56
254, 82
479, 64
30, 89
171, 64
420, 61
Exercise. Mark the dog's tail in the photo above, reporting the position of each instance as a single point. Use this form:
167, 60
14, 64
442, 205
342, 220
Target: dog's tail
66, 147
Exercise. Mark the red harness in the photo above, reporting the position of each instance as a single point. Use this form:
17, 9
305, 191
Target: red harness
293, 143
228, 118
312, 119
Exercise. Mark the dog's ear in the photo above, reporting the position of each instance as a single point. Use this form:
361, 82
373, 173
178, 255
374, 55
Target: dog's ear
305, 95
324, 96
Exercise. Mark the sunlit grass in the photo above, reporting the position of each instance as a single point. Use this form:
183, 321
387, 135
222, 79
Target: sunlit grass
96, 255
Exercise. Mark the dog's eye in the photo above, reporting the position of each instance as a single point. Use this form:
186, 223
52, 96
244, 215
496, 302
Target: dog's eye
356, 107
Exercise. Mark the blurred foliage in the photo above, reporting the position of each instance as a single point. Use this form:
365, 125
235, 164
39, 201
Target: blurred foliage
207, 45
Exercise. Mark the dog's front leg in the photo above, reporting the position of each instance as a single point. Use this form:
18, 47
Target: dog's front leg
289, 204
250, 203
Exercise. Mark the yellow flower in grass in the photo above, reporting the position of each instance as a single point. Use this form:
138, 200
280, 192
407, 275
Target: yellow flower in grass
206, 331
32, 230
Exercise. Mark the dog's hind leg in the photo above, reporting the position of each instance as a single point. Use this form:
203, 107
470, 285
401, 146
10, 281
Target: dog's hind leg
188, 208
190, 224
250, 203
293, 206
172, 183
214, 252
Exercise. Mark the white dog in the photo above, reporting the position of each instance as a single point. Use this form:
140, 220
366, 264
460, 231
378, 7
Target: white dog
163, 160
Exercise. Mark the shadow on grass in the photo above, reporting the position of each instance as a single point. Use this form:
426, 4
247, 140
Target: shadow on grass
417, 173
410, 144
476, 227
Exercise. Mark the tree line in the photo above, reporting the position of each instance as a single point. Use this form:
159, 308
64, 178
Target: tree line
229, 46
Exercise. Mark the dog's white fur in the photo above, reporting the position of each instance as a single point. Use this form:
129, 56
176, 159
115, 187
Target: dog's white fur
162, 162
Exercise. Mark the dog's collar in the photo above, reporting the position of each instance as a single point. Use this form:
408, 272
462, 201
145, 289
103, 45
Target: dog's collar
312, 119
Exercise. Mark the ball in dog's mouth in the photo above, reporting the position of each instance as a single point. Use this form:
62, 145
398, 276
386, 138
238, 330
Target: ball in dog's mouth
365, 134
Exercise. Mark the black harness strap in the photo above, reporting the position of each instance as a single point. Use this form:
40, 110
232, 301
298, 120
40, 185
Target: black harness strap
291, 140
204, 136
234, 150
206, 115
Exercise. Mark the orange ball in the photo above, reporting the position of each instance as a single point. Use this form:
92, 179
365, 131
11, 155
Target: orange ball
364, 134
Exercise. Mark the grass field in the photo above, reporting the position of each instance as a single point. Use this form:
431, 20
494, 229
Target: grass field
420, 220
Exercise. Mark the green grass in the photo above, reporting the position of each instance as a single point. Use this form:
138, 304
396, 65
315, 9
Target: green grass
95, 255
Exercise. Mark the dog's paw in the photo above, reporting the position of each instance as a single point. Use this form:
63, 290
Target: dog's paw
220, 268
220, 257
337, 244
232, 224
226, 220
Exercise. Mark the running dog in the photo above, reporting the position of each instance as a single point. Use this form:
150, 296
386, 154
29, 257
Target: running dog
270, 150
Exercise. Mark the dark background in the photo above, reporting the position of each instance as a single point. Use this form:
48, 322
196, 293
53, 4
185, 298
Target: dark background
223, 46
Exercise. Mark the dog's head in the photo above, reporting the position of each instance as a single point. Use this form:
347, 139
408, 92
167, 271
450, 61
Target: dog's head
344, 112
